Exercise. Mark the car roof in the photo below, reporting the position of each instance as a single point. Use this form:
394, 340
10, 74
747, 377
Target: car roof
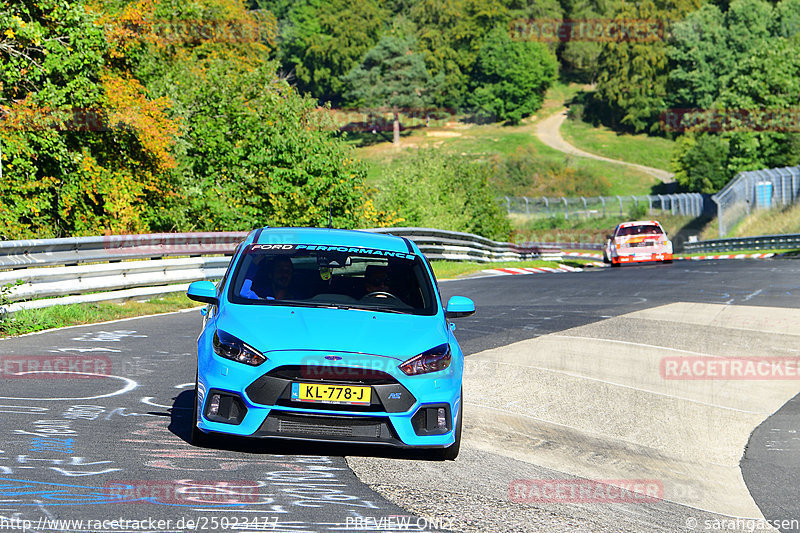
332, 237
639, 223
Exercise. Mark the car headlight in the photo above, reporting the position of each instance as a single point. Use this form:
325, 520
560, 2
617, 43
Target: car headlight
230, 347
432, 360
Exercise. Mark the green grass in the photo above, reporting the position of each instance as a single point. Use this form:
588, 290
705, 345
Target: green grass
737, 252
587, 230
767, 222
483, 142
487, 141
28, 321
642, 149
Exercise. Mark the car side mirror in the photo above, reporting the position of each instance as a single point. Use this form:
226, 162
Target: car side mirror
203, 291
458, 307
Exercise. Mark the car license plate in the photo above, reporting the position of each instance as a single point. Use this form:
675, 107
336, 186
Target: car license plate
346, 394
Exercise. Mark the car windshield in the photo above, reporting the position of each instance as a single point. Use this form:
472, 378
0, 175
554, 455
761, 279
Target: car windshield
333, 276
646, 229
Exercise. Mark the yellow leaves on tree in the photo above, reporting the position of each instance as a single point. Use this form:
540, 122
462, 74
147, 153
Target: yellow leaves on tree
226, 22
128, 108
104, 200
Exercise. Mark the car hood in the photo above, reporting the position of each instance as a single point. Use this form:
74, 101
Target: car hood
271, 328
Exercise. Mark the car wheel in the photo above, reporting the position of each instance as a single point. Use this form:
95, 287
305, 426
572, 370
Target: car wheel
451, 452
615, 265
198, 437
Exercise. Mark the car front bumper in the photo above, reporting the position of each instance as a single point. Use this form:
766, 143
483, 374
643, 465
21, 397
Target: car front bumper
256, 401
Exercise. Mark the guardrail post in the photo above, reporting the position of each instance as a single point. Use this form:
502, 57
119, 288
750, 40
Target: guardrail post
566, 208
603, 201
527, 208
546, 205
585, 207
620, 205
508, 205
650, 201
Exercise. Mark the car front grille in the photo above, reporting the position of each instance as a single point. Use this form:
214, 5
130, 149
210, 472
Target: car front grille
363, 429
274, 388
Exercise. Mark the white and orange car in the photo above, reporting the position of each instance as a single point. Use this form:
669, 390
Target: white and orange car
637, 242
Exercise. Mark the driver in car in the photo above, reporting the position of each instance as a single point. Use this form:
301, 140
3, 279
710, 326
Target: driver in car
376, 279
275, 285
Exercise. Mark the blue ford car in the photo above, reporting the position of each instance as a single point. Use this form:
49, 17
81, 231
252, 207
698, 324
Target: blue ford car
329, 335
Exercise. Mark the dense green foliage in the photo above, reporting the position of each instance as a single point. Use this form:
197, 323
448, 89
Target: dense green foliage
194, 128
741, 65
510, 77
321, 40
323, 43
73, 156
442, 191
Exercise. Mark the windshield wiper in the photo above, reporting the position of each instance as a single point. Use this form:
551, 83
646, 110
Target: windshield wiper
380, 309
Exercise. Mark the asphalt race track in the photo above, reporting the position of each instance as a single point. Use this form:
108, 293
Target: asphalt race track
103, 441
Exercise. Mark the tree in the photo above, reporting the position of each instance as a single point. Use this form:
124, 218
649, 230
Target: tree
449, 35
755, 104
443, 191
511, 77
323, 40
701, 163
391, 75
579, 57
85, 150
701, 58
633, 74
252, 150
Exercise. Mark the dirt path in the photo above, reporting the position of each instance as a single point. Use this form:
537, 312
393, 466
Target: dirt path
548, 131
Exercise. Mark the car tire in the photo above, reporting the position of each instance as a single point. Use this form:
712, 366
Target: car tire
198, 437
451, 452
615, 265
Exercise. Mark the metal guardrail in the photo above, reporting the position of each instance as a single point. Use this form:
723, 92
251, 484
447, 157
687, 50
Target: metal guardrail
54, 271
764, 242
75, 250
